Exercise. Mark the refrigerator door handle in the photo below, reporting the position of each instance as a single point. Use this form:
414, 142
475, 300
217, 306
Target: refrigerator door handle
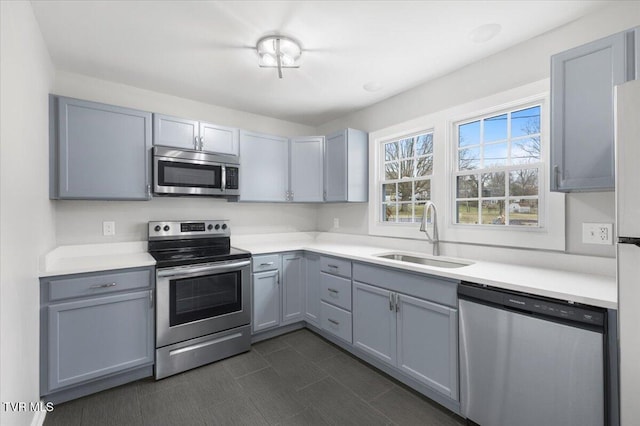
629, 240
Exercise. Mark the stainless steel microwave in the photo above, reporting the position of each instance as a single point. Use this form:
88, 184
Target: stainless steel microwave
187, 172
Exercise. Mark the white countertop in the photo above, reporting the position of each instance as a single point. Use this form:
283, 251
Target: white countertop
591, 289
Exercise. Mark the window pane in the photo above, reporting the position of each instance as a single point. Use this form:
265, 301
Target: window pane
523, 212
405, 191
493, 212
469, 134
495, 155
524, 151
424, 166
424, 144
406, 148
389, 192
467, 187
523, 182
467, 212
525, 122
422, 190
495, 128
389, 213
390, 151
405, 212
406, 168
469, 159
418, 211
493, 184
391, 171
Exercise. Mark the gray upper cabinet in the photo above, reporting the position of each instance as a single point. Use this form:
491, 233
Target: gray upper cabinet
264, 175
582, 115
98, 151
190, 134
306, 183
346, 166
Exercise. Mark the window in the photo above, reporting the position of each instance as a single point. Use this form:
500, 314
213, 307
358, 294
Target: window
406, 172
498, 166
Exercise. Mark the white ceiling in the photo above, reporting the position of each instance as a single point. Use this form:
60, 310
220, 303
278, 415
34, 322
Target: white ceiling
205, 50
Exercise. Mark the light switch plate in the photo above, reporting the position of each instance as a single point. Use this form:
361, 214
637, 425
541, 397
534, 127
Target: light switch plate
597, 233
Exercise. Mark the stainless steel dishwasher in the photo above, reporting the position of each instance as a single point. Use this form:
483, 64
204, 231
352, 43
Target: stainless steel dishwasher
527, 360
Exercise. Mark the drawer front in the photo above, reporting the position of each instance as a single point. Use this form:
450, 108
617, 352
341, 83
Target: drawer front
90, 285
335, 266
266, 263
335, 290
336, 321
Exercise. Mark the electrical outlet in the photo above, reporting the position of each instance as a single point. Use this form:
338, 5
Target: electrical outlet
597, 233
108, 229
336, 222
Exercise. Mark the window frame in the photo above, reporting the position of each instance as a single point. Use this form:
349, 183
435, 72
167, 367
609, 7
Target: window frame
541, 166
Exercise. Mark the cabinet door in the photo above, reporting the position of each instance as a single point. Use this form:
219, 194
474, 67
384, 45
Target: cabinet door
264, 175
307, 169
427, 344
175, 132
582, 82
266, 300
293, 272
219, 139
103, 151
335, 167
95, 337
312, 294
374, 322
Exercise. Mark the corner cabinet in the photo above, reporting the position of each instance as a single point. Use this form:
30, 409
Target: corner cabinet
98, 151
95, 327
197, 135
582, 110
346, 163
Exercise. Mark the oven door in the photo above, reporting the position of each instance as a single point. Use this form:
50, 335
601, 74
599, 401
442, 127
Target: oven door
194, 177
196, 300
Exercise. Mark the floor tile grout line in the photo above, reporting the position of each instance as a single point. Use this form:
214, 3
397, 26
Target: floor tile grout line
251, 372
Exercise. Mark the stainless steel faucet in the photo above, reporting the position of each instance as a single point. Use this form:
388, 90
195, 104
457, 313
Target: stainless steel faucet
430, 211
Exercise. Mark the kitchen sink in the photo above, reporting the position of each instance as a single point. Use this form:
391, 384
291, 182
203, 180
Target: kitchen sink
428, 261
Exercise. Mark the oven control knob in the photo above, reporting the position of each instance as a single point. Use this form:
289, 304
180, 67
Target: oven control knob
210, 227
217, 226
166, 228
157, 228
224, 226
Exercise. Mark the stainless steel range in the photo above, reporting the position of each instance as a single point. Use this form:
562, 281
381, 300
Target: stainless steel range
203, 305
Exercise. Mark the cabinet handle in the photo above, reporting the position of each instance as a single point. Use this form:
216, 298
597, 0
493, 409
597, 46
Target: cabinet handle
391, 301
397, 302
104, 285
556, 172
333, 266
196, 143
324, 195
266, 264
151, 299
149, 191
201, 143
333, 290
333, 321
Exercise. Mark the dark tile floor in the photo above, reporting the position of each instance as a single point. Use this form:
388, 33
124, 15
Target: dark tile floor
295, 379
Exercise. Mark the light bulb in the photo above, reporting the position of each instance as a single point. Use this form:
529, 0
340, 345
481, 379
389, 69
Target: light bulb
268, 59
287, 60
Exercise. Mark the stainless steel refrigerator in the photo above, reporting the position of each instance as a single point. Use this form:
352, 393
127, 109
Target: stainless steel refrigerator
628, 248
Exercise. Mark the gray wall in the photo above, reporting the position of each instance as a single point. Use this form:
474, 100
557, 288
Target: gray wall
525, 63
26, 214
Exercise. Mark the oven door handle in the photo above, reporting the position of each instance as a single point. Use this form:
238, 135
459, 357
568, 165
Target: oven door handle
189, 272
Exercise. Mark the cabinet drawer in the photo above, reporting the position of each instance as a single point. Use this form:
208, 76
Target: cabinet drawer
336, 321
335, 266
266, 263
335, 290
90, 285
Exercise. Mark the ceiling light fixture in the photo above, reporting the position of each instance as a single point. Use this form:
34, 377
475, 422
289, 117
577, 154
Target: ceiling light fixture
278, 52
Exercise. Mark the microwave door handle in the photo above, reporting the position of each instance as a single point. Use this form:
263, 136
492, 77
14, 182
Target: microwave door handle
223, 185
189, 272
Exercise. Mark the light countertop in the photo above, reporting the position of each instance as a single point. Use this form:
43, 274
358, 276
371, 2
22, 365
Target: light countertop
591, 289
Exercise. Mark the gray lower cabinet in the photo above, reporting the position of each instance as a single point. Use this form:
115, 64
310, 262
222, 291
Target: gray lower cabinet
416, 336
264, 175
293, 274
346, 163
312, 289
266, 300
197, 135
95, 327
582, 110
98, 151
